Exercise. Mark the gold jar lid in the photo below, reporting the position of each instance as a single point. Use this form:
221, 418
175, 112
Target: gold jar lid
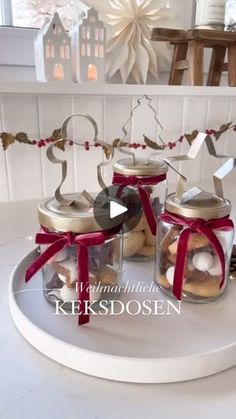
76, 218
141, 167
203, 205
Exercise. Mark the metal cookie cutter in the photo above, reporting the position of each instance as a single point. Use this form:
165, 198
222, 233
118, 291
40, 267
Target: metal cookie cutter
53, 159
218, 176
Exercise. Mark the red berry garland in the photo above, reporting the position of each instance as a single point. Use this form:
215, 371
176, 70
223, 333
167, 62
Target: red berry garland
8, 139
87, 145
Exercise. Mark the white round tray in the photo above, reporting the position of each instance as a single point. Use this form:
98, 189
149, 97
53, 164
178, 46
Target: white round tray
142, 349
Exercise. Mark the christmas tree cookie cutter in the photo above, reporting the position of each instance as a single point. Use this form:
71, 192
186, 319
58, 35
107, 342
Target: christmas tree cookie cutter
122, 148
125, 130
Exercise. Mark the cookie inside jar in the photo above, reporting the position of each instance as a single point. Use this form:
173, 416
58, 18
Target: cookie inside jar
64, 272
147, 178
140, 243
203, 267
61, 276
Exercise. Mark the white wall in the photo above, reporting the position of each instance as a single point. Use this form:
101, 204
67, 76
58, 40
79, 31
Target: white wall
25, 172
37, 109
184, 12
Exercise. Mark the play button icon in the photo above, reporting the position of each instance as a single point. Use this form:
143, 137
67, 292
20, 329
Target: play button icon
116, 209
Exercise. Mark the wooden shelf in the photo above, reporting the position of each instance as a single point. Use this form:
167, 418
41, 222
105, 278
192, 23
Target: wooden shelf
97, 89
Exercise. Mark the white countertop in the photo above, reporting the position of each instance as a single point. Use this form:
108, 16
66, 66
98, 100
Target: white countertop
34, 386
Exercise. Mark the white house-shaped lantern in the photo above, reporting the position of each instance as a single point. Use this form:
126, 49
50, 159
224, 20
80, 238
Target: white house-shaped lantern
52, 48
88, 49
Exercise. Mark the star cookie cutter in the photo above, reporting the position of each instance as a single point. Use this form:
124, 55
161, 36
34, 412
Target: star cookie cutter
221, 173
180, 194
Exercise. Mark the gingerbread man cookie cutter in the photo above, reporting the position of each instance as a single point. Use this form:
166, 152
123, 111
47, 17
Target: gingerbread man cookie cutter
55, 160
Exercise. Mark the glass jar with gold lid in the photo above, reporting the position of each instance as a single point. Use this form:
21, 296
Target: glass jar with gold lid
195, 240
148, 179
80, 263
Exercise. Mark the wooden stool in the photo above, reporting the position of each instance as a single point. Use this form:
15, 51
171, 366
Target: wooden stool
189, 54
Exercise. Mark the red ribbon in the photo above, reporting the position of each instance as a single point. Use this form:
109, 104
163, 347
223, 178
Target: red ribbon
206, 229
60, 241
141, 181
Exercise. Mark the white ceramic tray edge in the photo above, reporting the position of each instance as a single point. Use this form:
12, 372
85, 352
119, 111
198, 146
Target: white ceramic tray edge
120, 368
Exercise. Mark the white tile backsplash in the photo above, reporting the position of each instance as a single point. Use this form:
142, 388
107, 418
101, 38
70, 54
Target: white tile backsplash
25, 172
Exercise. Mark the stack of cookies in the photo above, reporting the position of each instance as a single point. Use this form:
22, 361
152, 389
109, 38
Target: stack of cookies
202, 275
140, 242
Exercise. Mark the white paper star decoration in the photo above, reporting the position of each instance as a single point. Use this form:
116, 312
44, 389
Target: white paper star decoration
130, 50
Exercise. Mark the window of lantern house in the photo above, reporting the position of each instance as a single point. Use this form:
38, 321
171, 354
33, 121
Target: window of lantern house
83, 32
101, 34
101, 51
88, 32
65, 51
62, 52
50, 50
96, 51
96, 34
88, 50
83, 50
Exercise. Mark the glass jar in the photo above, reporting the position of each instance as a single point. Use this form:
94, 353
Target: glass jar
210, 14
63, 272
188, 264
140, 242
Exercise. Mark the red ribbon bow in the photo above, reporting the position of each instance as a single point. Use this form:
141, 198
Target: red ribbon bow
124, 181
58, 242
206, 229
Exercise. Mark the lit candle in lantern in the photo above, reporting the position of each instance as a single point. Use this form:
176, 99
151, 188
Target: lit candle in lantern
58, 72
92, 73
